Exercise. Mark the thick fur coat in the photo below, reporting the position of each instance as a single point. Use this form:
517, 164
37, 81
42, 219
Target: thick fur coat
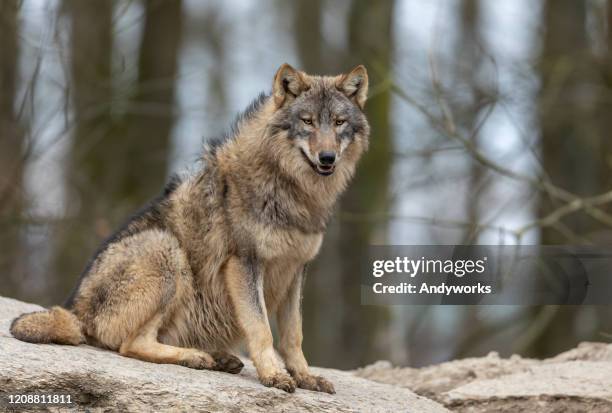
205, 264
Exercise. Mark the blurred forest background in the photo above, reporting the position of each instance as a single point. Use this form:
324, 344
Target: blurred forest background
492, 124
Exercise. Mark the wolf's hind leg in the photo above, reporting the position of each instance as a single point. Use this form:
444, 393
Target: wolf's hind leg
143, 345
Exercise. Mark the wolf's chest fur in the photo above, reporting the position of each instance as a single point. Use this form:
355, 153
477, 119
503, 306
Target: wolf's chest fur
285, 244
284, 253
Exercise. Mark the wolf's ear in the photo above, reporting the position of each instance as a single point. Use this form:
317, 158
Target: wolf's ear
355, 85
288, 84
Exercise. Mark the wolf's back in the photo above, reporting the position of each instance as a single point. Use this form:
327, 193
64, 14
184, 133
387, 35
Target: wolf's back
56, 325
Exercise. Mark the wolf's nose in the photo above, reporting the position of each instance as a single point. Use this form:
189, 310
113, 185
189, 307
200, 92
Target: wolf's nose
327, 157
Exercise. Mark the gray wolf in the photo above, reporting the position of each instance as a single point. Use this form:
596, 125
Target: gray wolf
219, 251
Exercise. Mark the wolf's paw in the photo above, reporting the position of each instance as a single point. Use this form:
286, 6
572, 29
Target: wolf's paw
227, 362
281, 381
198, 360
314, 383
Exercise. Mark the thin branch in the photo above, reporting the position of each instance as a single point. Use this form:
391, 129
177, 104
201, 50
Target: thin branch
448, 129
571, 207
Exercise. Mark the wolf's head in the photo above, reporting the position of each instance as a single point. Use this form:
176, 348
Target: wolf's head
322, 118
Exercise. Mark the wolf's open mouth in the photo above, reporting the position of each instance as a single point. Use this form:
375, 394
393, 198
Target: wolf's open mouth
324, 170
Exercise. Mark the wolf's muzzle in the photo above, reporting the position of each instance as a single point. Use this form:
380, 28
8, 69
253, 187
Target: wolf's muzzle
321, 169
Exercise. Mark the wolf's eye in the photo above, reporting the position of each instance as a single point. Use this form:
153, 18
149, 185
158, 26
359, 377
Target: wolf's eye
340, 122
307, 121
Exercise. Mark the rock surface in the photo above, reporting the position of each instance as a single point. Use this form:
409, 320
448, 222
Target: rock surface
579, 380
101, 380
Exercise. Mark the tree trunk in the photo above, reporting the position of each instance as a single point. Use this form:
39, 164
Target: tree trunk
11, 148
469, 60
90, 69
574, 148
370, 39
115, 165
151, 114
333, 286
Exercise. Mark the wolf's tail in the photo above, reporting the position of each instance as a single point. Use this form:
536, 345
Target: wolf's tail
56, 325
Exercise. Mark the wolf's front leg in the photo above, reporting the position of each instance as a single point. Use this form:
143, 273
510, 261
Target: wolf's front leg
245, 285
290, 346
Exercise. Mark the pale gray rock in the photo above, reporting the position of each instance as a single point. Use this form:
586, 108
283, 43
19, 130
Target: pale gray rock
575, 386
433, 381
585, 351
578, 380
101, 380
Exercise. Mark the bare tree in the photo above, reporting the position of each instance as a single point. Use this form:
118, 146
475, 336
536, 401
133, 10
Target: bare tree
575, 146
470, 60
323, 281
11, 146
332, 291
370, 25
310, 44
151, 111
90, 70
117, 163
